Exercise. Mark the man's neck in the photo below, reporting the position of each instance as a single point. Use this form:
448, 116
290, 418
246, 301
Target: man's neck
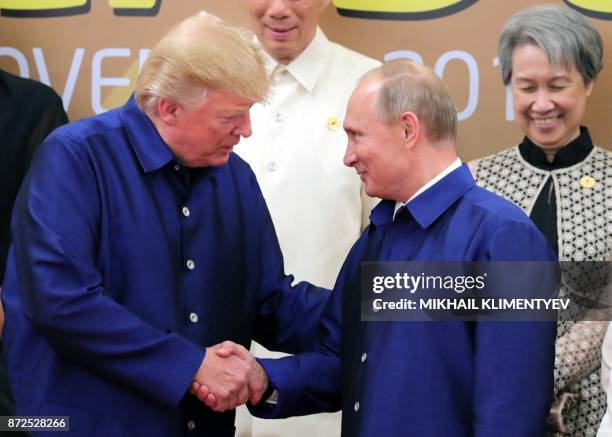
429, 166
438, 177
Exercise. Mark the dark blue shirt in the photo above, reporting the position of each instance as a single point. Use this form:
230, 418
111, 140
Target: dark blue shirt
434, 379
125, 266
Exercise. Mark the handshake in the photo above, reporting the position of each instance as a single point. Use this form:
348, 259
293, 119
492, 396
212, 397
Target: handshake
229, 376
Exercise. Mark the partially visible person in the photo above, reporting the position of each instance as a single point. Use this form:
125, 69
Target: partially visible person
434, 379
30, 111
141, 242
317, 204
551, 56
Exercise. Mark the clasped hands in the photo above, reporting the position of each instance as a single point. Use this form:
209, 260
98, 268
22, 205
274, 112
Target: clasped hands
229, 376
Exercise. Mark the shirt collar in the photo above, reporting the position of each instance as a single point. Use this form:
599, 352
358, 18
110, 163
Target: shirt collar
308, 67
574, 152
455, 165
430, 204
150, 149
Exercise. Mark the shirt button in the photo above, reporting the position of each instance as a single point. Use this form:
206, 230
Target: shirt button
277, 117
185, 211
191, 425
190, 264
364, 357
271, 166
177, 167
193, 317
356, 406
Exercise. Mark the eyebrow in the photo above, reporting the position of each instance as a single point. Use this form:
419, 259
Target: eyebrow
236, 112
558, 77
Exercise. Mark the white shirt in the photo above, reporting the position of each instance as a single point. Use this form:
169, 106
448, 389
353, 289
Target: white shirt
296, 151
317, 204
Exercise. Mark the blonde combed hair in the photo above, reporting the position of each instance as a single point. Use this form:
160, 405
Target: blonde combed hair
200, 54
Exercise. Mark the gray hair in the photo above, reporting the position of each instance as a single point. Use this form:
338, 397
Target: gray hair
200, 54
408, 87
566, 36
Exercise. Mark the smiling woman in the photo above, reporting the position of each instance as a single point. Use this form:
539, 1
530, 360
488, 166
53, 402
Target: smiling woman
551, 56
549, 100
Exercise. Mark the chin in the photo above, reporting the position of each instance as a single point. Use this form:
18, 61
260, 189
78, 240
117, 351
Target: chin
212, 162
222, 160
371, 192
546, 142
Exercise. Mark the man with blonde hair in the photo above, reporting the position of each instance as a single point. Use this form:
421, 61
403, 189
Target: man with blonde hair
418, 378
140, 243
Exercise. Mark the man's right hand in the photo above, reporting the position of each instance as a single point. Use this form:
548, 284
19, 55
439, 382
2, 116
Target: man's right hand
225, 378
254, 382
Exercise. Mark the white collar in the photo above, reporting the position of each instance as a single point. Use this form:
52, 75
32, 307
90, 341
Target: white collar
308, 67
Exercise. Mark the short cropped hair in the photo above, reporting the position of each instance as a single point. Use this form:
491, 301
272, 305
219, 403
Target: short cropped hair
565, 35
200, 54
408, 87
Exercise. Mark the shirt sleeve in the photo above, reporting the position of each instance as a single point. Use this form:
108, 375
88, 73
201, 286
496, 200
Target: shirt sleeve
55, 228
311, 382
578, 352
514, 360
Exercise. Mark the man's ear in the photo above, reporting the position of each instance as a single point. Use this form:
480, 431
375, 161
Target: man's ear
410, 128
168, 110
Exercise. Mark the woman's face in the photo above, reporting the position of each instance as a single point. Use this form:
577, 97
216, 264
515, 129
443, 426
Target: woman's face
549, 100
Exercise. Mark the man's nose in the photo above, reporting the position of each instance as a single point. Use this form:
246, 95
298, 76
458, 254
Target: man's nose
278, 9
349, 155
244, 126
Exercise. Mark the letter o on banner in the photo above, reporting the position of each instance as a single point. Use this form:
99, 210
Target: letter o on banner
405, 54
22, 62
474, 78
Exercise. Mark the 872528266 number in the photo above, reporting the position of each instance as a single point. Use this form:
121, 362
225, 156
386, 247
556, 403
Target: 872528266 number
34, 423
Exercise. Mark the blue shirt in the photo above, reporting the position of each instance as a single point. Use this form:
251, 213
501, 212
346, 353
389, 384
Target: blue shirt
434, 379
125, 266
